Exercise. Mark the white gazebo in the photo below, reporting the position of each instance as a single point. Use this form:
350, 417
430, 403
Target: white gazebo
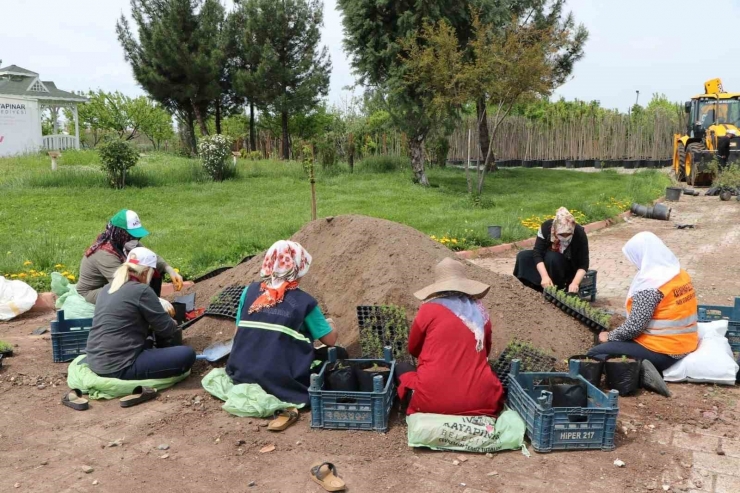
23, 99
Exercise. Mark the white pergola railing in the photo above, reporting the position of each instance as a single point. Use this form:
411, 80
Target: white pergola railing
60, 142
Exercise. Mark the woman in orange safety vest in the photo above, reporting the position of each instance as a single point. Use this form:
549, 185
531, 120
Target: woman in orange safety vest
662, 313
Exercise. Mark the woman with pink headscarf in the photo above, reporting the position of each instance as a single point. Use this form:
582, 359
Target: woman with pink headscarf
277, 324
559, 257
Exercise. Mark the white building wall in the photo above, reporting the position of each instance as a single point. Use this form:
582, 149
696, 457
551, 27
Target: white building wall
20, 126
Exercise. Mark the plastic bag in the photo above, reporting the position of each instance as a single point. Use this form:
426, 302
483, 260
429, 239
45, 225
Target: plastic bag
712, 362
623, 375
16, 297
481, 434
342, 377
244, 399
80, 376
68, 299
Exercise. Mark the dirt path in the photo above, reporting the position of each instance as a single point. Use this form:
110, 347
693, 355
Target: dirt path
44, 445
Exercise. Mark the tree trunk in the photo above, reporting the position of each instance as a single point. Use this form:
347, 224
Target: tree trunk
201, 121
483, 137
417, 160
351, 152
286, 143
252, 135
218, 116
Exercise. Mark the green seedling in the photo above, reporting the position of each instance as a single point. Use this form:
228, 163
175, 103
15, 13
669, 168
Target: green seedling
5, 346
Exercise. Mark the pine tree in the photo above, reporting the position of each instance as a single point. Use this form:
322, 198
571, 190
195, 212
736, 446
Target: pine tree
177, 56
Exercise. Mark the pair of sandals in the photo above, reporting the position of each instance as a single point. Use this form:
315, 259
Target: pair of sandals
74, 399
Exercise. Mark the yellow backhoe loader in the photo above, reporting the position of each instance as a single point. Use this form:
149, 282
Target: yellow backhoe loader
712, 132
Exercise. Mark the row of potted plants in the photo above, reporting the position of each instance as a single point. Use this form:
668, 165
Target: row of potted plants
572, 305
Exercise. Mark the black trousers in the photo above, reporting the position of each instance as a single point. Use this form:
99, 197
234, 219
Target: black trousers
661, 362
559, 268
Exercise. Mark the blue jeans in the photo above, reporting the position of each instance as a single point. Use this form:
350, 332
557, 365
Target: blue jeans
158, 363
634, 350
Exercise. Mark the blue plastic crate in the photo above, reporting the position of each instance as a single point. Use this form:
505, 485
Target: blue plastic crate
708, 313
562, 428
352, 410
69, 337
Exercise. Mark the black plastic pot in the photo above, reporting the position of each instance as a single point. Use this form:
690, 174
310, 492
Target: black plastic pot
7, 353
548, 164
341, 379
622, 375
688, 191
588, 368
725, 195
661, 212
568, 392
515, 163
570, 164
673, 193
175, 340
632, 164
597, 163
528, 164
365, 376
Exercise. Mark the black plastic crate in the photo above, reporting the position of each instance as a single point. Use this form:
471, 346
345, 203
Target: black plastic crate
226, 303
587, 288
376, 322
211, 274
532, 360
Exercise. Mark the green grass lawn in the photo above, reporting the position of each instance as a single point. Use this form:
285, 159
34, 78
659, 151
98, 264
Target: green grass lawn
50, 218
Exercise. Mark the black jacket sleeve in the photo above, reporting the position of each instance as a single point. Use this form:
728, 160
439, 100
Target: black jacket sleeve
542, 243
580, 247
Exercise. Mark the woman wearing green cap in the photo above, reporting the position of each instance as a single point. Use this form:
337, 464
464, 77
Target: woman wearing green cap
108, 253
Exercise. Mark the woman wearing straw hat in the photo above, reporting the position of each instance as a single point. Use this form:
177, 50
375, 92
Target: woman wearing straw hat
451, 339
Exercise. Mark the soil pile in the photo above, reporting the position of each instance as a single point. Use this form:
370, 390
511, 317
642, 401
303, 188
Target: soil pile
359, 260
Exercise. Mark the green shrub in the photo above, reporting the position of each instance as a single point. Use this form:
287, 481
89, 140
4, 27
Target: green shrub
117, 157
214, 152
727, 178
383, 164
437, 149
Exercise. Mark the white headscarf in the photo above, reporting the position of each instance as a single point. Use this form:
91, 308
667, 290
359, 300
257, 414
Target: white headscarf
656, 264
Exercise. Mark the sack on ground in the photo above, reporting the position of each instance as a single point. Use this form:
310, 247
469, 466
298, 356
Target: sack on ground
712, 362
243, 400
481, 434
16, 297
80, 376
68, 299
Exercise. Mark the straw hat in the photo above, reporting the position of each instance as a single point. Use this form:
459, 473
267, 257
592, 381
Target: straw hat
449, 275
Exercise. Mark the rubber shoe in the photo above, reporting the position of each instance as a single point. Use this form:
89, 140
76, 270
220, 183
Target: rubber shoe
651, 379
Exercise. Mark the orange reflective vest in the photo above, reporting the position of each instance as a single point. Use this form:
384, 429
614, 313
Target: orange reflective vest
672, 329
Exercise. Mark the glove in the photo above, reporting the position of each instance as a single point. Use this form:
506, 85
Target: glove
167, 307
176, 278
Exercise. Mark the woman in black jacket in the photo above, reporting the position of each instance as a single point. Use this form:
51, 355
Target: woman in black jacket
559, 257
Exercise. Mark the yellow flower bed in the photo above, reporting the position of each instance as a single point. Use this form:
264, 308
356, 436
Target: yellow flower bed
533, 223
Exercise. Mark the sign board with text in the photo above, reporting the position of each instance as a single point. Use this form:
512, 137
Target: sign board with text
20, 126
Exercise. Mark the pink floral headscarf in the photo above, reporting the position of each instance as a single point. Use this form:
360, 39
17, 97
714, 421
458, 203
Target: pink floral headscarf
285, 263
563, 227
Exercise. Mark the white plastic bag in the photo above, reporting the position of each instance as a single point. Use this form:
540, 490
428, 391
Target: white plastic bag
16, 297
712, 362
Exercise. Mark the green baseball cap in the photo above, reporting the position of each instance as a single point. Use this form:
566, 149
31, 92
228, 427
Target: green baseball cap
129, 220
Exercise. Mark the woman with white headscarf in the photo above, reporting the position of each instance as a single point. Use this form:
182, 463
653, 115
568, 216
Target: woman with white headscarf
559, 257
277, 324
662, 312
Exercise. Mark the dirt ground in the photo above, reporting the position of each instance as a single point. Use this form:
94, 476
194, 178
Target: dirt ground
46, 447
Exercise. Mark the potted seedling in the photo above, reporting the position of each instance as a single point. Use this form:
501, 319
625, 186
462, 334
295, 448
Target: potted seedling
622, 374
589, 368
367, 372
6, 349
341, 377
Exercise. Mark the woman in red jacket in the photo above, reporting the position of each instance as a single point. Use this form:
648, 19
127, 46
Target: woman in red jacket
451, 339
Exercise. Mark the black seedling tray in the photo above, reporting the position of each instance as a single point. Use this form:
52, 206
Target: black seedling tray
372, 318
531, 359
226, 303
593, 325
247, 258
211, 274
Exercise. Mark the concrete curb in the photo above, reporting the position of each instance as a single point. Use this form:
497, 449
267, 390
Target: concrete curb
589, 228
